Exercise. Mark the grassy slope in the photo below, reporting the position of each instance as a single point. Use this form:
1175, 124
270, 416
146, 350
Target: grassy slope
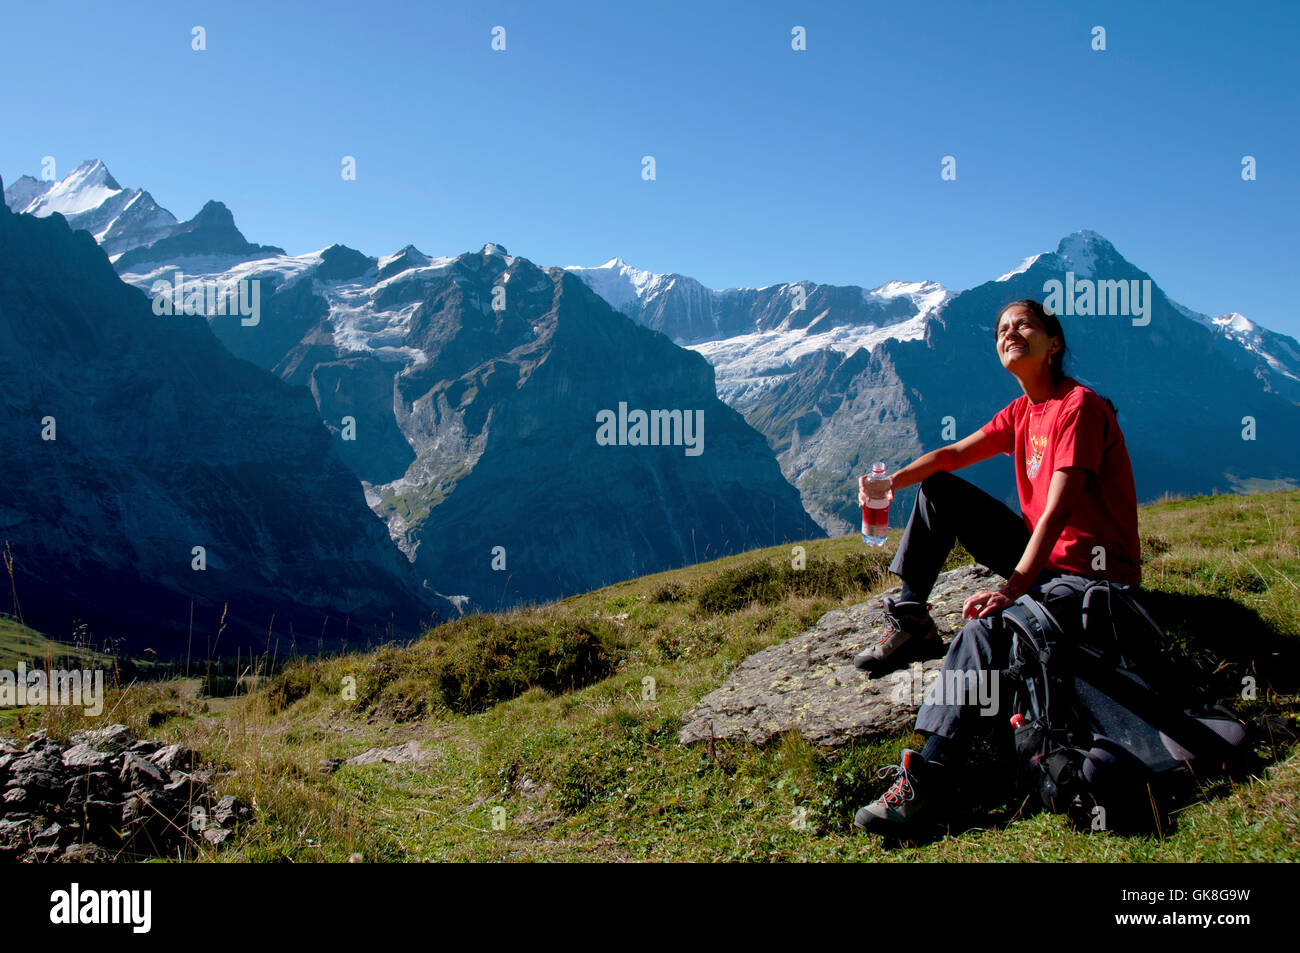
19, 643
595, 772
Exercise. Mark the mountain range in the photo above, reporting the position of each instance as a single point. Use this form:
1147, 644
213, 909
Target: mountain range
838, 377
465, 395
464, 392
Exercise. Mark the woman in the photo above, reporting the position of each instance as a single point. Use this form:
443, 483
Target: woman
1078, 517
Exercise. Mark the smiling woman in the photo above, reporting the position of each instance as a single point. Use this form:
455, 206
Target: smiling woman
1078, 517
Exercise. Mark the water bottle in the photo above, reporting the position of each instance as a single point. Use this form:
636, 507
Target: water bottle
875, 512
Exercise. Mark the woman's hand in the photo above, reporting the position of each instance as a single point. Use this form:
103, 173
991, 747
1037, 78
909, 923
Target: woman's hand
862, 488
984, 603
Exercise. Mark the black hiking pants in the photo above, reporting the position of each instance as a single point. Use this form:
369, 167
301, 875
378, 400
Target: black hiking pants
968, 692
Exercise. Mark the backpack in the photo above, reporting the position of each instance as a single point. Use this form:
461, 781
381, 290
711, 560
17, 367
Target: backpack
1103, 731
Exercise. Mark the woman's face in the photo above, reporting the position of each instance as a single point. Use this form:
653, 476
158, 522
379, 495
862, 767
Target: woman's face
1023, 343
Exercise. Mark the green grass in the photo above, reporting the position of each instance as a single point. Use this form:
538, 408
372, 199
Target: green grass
18, 643
554, 727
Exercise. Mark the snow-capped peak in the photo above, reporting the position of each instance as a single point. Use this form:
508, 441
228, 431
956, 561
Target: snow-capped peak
93, 172
618, 282
925, 295
1236, 323
86, 187
92, 200
492, 248
408, 255
1025, 265
1080, 250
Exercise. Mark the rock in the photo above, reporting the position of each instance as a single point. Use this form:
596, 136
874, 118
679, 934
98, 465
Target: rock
229, 811
215, 836
174, 757
84, 756
100, 820
137, 773
152, 822
10, 746
184, 787
91, 786
86, 853
106, 796
53, 834
15, 837
111, 738
40, 743
410, 752
808, 683
39, 773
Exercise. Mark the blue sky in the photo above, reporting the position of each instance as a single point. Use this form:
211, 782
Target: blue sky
772, 165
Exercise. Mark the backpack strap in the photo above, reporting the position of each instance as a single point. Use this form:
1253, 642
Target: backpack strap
1031, 617
1101, 636
1033, 625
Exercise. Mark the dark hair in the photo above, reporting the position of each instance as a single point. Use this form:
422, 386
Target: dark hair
1052, 325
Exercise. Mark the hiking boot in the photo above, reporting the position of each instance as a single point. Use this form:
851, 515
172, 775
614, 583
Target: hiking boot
909, 633
917, 784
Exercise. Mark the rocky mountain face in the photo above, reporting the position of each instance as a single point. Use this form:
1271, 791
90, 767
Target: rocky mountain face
132, 439
211, 232
466, 393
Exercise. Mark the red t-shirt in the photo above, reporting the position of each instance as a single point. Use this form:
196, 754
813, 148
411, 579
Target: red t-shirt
1076, 428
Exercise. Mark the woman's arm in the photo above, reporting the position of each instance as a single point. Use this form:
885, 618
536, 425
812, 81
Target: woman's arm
1062, 495
978, 446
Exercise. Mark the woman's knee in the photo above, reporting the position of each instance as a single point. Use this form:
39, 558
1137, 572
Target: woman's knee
941, 483
977, 642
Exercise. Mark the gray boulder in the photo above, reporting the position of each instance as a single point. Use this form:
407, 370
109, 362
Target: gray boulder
808, 683
411, 752
110, 738
84, 756
138, 773
173, 758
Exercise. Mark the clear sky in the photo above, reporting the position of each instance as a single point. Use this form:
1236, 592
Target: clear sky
772, 165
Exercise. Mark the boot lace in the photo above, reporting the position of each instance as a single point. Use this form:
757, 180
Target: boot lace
901, 790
